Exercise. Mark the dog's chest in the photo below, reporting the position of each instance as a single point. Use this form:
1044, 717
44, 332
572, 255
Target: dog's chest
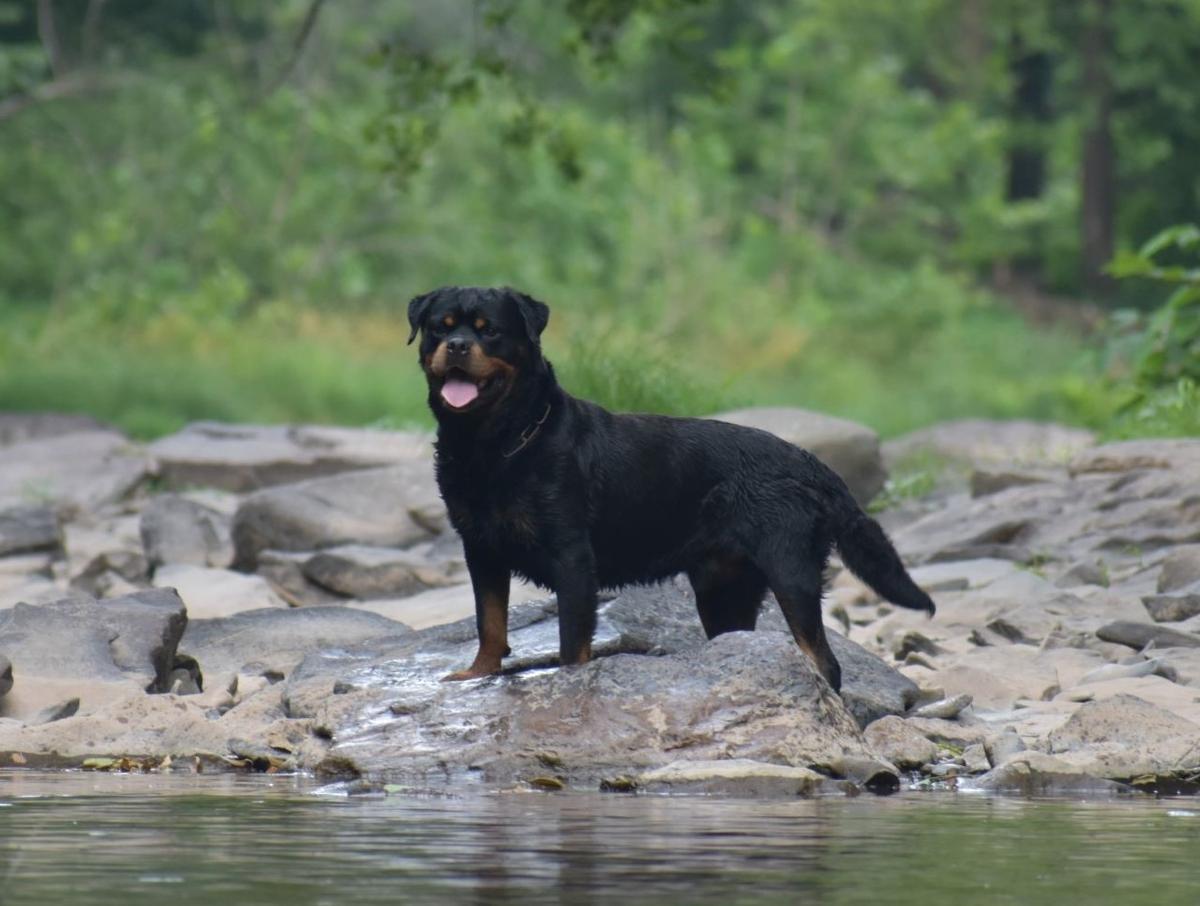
499, 519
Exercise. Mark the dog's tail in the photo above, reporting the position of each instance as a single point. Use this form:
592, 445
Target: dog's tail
866, 550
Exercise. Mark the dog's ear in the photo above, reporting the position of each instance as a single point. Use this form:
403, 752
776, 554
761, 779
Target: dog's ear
535, 314
416, 312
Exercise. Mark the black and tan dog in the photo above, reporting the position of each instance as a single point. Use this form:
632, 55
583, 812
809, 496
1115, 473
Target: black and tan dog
575, 498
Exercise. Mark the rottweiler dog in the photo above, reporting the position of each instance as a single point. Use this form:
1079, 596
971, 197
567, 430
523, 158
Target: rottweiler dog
576, 498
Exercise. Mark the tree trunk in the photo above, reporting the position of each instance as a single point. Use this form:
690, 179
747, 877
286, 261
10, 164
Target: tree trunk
1099, 155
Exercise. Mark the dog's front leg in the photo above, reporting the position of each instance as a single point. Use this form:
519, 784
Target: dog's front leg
490, 580
575, 585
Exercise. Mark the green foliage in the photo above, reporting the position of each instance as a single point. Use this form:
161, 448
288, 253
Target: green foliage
1161, 396
789, 202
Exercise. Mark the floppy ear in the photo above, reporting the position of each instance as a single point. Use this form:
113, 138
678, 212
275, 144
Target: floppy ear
416, 312
535, 314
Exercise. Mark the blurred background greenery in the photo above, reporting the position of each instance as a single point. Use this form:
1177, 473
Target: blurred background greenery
894, 212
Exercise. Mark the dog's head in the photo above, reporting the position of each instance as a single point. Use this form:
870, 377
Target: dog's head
476, 344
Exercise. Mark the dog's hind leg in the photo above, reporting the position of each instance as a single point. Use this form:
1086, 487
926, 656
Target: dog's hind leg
729, 591
794, 569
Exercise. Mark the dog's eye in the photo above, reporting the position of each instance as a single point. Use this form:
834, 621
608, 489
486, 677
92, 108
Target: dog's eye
489, 332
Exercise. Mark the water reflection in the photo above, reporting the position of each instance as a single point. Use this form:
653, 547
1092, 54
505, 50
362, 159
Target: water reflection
97, 839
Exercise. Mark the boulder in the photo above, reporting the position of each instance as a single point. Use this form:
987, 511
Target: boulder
362, 571
900, 742
175, 529
6, 675
272, 642
850, 449
84, 470
396, 506
1037, 775
212, 593
1180, 568
743, 695
663, 618
92, 650
26, 529
1125, 737
1175, 607
249, 457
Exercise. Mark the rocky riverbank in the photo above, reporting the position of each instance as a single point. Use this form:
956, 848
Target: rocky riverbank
248, 598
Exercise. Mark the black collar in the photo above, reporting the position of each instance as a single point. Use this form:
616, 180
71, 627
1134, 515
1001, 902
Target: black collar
529, 434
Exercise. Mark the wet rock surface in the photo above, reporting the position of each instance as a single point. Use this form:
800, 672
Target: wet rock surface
300, 611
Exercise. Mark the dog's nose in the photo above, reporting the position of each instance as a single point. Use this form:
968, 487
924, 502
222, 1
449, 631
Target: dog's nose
458, 346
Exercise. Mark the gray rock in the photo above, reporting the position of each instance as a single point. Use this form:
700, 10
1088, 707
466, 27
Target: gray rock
272, 642
104, 554
213, 593
848, 448
975, 760
1083, 573
1139, 455
866, 771
1035, 775
95, 651
900, 743
360, 571
735, 777
1174, 607
1125, 737
6, 675
392, 507
18, 427
1139, 635
249, 457
175, 529
946, 709
1180, 568
29, 528
1000, 749
996, 444
663, 618
284, 570
84, 470
1149, 667
986, 481
743, 695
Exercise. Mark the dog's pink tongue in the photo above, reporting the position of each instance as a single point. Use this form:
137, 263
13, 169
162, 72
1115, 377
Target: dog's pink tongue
458, 392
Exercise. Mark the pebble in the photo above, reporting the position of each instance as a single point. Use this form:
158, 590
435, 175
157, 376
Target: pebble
946, 709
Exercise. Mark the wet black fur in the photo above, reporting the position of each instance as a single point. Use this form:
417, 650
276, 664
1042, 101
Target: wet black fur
600, 500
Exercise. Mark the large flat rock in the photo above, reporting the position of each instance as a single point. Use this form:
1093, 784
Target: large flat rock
396, 506
248, 457
91, 650
272, 642
27, 529
83, 470
850, 449
658, 692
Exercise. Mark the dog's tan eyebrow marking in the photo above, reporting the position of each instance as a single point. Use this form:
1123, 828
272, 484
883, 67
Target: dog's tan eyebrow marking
480, 323
448, 320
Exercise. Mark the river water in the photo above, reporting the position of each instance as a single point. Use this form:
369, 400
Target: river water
237, 840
